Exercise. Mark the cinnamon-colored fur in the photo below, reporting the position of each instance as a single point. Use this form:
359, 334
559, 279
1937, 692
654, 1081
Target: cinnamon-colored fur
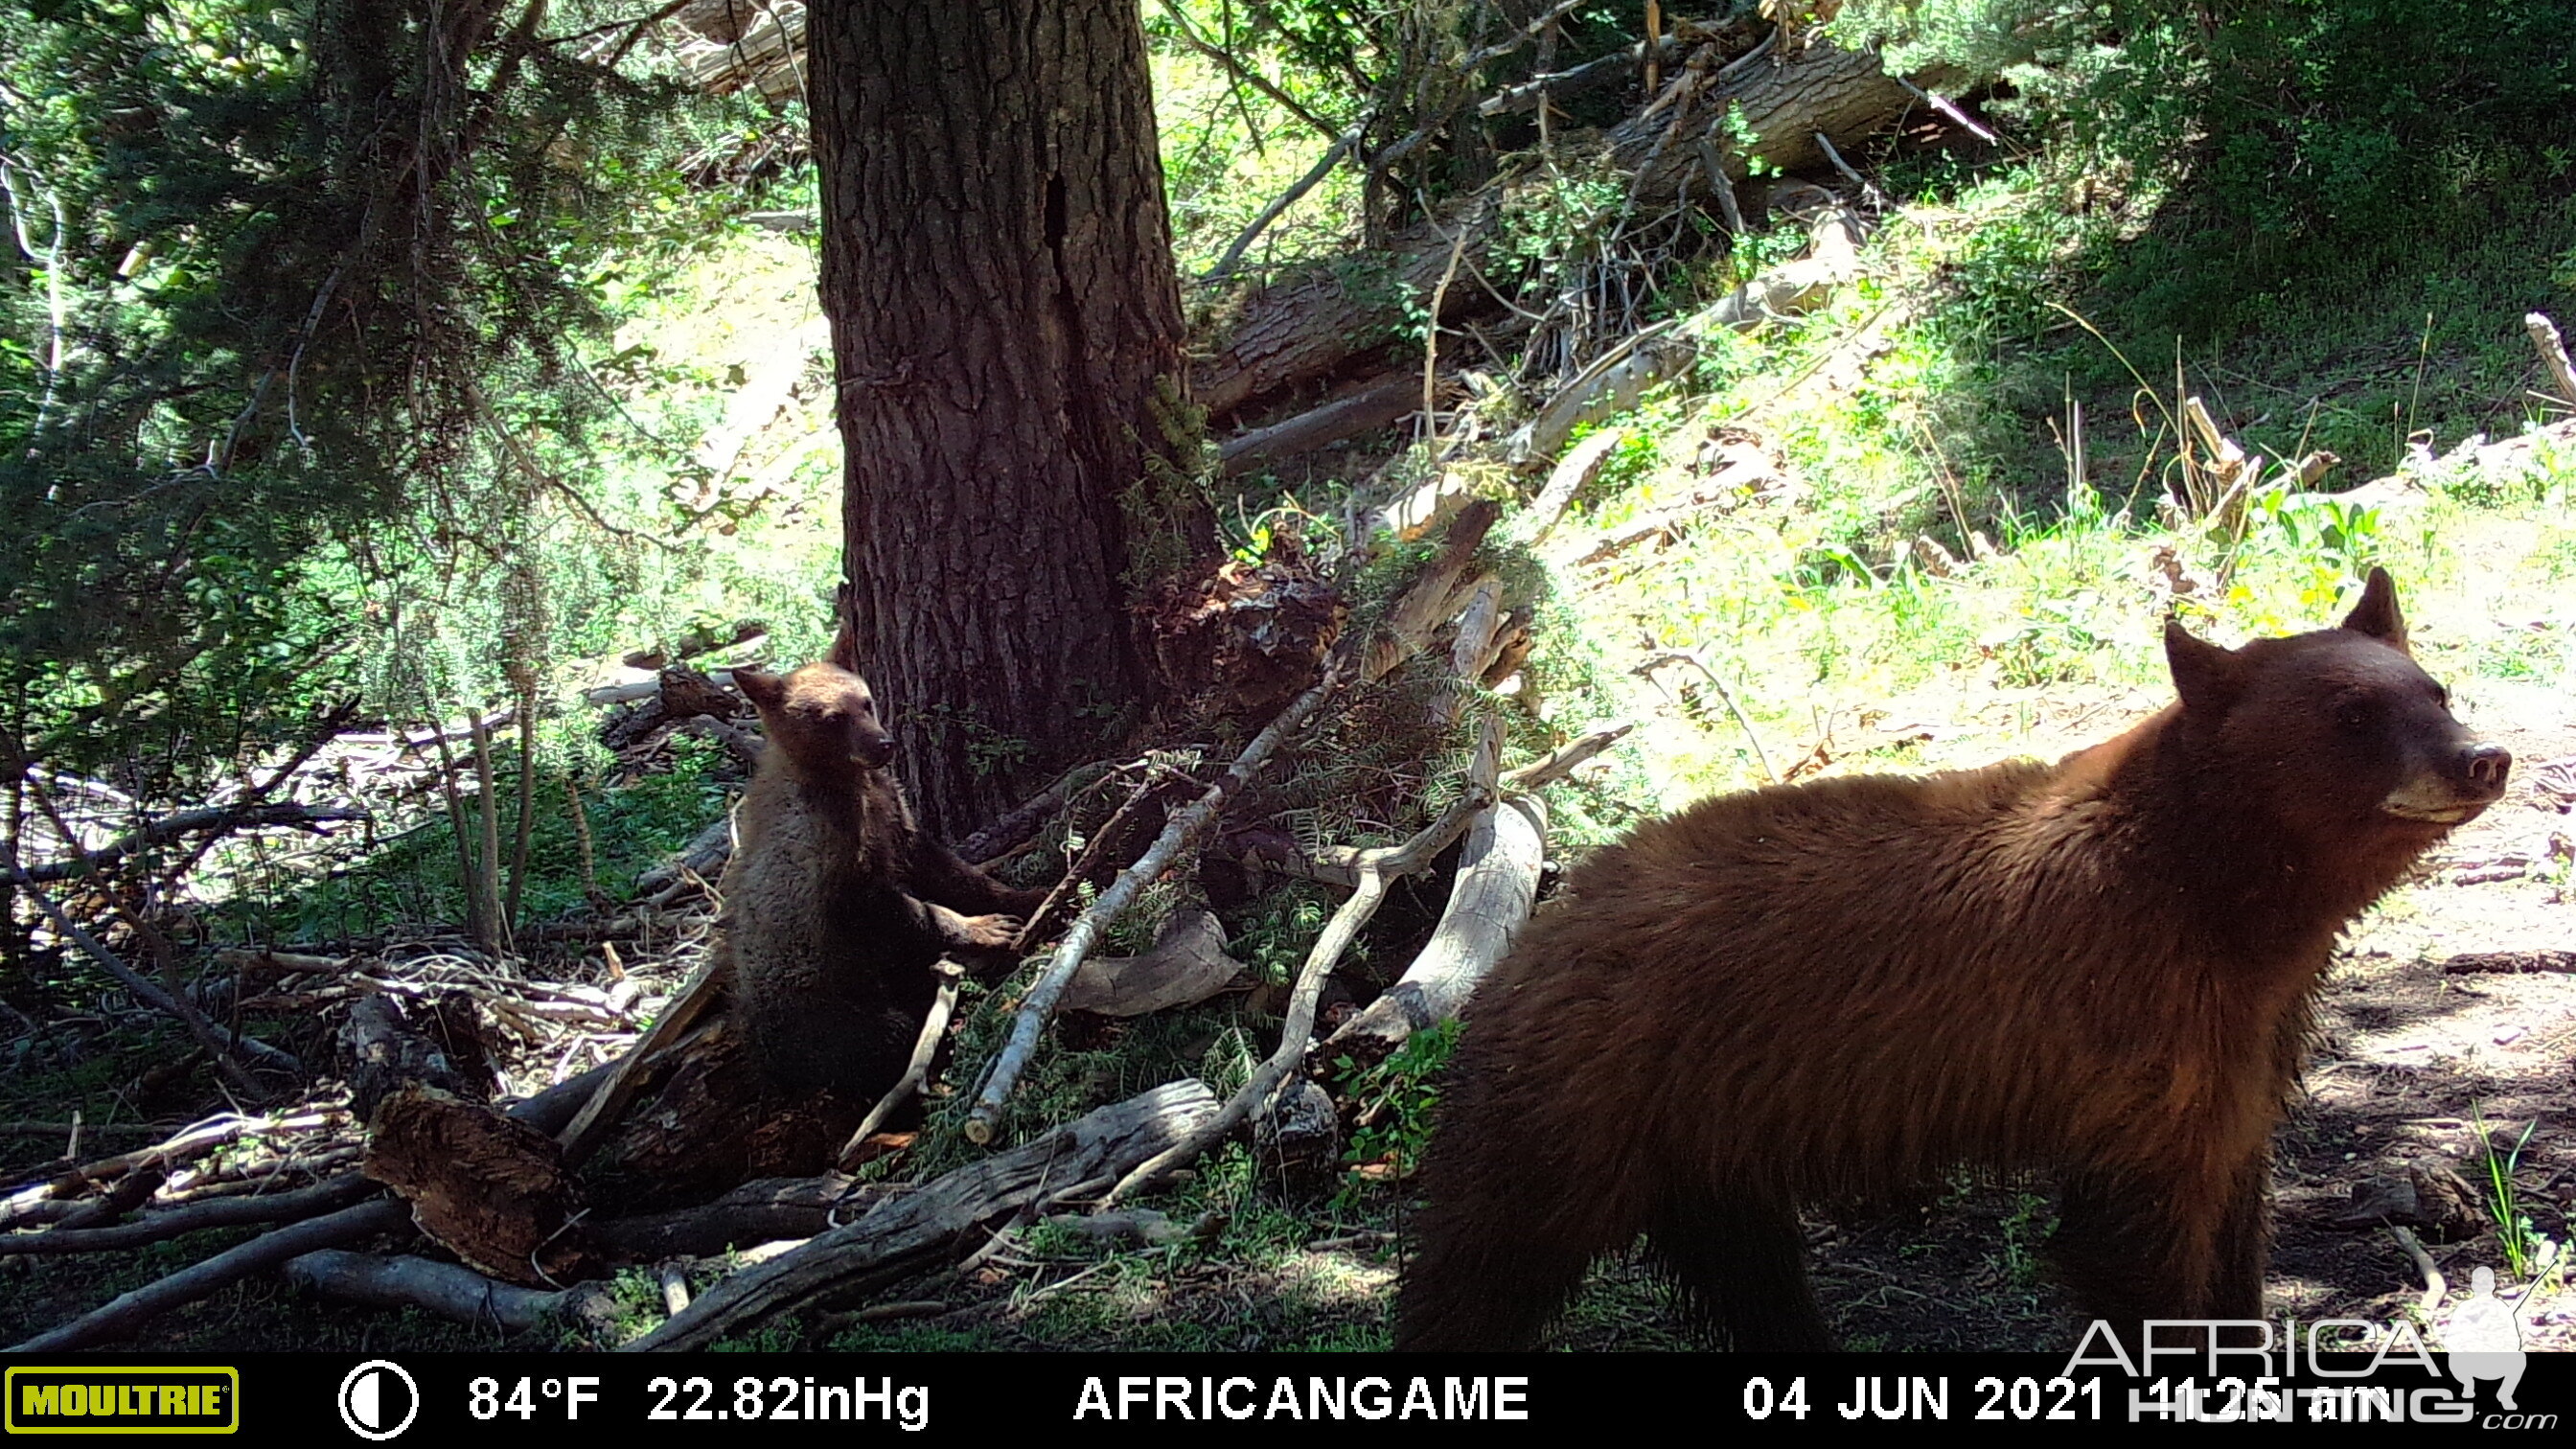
836, 904
1838, 991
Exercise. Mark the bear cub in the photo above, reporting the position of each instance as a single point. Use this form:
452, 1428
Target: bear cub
1838, 991
836, 904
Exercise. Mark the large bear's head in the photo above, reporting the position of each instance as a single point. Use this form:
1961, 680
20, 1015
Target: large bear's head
2338, 734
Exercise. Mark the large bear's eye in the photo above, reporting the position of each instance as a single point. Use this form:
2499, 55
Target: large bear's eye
2355, 714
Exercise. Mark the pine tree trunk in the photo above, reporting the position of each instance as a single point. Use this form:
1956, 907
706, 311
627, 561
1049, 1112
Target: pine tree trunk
997, 269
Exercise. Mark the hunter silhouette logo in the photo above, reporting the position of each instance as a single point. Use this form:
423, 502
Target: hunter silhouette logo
2484, 1337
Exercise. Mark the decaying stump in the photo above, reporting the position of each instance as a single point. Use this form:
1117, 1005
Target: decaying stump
711, 1121
1249, 639
489, 1188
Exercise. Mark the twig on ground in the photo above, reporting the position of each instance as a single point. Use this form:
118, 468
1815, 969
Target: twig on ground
2434, 1284
933, 1027
1724, 695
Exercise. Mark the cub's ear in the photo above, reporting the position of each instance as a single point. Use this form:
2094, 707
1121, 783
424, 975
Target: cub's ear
844, 653
765, 691
2376, 615
2204, 674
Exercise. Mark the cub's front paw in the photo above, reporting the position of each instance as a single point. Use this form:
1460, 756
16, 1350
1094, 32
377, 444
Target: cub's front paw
989, 933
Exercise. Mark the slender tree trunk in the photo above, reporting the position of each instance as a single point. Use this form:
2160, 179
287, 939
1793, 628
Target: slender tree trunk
997, 269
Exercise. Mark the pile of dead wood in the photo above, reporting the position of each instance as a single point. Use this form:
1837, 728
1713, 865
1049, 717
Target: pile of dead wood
699, 1155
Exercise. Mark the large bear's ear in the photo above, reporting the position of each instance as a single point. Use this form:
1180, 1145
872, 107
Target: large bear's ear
2204, 674
2376, 615
765, 691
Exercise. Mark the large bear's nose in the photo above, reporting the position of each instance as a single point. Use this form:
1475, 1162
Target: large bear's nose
2487, 765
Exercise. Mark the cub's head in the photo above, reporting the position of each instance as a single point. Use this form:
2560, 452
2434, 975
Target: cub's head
822, 717
2338, 732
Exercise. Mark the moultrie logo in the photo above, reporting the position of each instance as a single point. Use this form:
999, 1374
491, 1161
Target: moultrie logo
113, 1400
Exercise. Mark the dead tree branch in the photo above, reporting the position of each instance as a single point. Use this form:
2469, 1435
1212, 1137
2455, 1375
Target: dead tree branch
446, 1289
218, 819
933, 1027
1497, 884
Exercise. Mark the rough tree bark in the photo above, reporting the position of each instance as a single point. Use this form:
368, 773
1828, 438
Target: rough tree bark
997, 269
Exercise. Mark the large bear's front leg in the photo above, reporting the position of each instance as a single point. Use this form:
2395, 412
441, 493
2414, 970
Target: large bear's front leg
2137, 1246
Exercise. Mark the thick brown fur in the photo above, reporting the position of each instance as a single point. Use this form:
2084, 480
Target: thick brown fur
836, 904
1839, 991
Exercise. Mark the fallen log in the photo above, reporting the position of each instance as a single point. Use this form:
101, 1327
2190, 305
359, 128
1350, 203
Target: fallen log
1786, 102
765, 1210
452, 1292
704, 855
1187, 965
1309, 326
902, 1234
1318, 323
1372, 406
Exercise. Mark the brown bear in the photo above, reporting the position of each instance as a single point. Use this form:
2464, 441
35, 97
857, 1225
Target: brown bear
836, 904
1838, 991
